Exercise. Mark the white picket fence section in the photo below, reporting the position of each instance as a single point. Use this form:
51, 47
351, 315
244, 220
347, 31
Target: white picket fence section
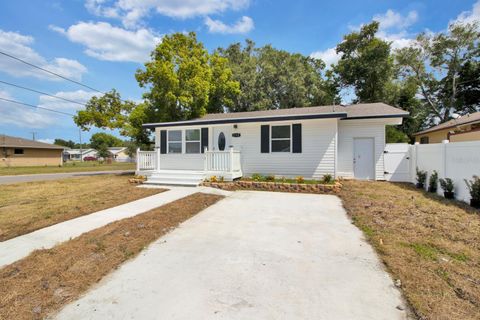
454, 160
222, 161
146, 160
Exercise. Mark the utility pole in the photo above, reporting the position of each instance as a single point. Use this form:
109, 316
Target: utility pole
81, 148
33, 135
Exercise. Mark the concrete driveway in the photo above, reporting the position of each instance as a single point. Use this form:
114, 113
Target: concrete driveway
253, 255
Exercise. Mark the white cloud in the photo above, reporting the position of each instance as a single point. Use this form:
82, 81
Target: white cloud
20, 116
395, 20
19, 45
244, 25
47, 140
131, 12
329, 56
80, 96
469, 16
23, 116
106, 42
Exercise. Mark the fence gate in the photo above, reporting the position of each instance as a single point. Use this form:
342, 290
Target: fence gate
397, 162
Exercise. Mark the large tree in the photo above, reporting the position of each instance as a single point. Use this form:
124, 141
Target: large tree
181, 81
366, 64
100, 139
444, 67
274, 79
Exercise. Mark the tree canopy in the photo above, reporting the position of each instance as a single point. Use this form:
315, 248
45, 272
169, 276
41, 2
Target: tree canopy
432, 78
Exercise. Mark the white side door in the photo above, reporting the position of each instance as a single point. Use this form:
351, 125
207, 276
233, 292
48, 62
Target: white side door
222, 138
363, 159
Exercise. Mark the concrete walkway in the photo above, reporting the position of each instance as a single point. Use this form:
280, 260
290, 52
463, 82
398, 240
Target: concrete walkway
56, 176
253, 255
19, 247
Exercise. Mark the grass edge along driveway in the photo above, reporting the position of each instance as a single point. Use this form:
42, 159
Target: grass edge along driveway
431, 244
61, 274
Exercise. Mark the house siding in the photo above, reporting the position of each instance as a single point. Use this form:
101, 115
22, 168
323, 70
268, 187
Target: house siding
31, 157
350, 129
316, 159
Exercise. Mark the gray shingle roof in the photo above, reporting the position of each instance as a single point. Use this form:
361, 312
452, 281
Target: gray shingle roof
15, 142
469, 118
362, 110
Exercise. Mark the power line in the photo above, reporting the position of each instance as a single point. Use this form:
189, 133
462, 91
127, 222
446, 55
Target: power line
44, 93
36, 107
50, 72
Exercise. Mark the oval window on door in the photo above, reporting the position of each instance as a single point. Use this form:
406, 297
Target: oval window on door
221, 141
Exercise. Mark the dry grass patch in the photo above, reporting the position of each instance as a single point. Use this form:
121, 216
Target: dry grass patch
68, 167
43, 282
26, 207
431, 244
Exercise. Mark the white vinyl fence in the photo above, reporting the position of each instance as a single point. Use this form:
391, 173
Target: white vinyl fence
455, 160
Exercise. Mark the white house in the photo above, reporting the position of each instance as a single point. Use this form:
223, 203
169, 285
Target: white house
344, 141
119, 154
77, 154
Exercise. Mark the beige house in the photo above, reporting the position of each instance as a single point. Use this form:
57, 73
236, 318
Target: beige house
466, 128
17, 152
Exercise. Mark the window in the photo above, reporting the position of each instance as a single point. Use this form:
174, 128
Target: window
424, 140
281, 138
18, 151
175, 141
192, 141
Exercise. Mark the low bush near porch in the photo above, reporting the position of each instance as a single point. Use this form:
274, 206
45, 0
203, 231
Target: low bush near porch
429, 243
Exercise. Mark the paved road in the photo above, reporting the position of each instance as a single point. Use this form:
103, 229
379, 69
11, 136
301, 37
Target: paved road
55, 176
253, 255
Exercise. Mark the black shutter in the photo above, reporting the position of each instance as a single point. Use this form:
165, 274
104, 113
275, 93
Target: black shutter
297, 138
204, 139
265, 139
163, 141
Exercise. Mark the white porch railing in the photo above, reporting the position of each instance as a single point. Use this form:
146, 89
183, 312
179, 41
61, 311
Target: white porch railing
222, 161
214, 161
147, 160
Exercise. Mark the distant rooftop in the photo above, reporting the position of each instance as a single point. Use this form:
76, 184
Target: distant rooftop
15, 142
466, 119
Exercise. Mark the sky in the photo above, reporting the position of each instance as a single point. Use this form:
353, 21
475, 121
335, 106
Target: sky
101, 43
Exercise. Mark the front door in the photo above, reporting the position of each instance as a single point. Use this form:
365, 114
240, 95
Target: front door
363, 159
222, 138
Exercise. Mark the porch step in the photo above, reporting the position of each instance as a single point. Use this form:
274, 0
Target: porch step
176, 177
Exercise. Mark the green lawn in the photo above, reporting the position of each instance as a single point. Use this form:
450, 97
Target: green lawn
68, 167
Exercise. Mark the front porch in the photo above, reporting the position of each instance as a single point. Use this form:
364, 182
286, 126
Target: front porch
183, 169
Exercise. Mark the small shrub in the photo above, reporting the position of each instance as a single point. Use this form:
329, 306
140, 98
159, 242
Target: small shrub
257, 177
474, 189
300, 179
327, 178
447, 185
421, 178
433, 182
283, 179
213, 179
270, 178
222, 179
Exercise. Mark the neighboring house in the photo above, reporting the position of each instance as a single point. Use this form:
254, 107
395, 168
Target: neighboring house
16, 152
119, 154
78, 154
466, 128
344, 141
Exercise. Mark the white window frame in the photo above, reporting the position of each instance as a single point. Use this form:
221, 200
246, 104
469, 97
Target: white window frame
278, 139
175, 141
199, 141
